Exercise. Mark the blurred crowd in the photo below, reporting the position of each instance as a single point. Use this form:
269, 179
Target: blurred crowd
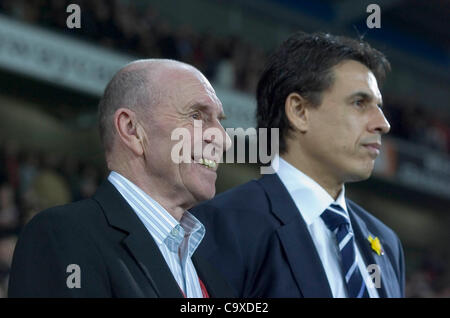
31, 181
137, 28
414, 122
430, 277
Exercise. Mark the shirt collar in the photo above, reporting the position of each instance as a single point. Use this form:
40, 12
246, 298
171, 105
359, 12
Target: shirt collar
309, 197
163, 227
193, 227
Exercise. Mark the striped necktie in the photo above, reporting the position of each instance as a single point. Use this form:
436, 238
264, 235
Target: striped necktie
338, 222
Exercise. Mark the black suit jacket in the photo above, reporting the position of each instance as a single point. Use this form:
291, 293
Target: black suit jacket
116, 254
256, 236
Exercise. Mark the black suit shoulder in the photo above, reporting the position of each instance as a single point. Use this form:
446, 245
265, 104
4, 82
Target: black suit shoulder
373, 222
235, 196
238, 203
234, 211
71, 216
391, 243
51, 241
238, 227
77, 224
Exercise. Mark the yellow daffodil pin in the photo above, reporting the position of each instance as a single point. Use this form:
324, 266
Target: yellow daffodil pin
376, 245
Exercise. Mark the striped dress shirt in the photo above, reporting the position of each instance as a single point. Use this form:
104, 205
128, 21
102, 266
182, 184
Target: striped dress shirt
177, 241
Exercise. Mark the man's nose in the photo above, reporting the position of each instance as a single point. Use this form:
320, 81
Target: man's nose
224, 142
227, 140
379, 123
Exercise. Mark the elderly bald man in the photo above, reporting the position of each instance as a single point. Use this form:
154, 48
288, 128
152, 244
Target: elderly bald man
134, 237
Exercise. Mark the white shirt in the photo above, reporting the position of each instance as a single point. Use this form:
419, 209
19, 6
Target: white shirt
177, 241
311, 200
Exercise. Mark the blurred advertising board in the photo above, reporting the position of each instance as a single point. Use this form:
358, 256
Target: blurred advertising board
414, 166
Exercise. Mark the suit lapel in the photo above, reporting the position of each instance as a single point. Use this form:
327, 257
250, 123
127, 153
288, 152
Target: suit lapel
152, 263
370, 257
139, 242
301, 253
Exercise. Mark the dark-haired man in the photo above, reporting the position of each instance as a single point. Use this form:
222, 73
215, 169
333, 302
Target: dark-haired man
293, 233
134, 237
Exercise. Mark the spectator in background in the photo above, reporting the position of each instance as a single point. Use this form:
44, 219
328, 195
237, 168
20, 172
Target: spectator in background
3, 176
148, 39
436, 135
29, 168
185, 41
240, 60
123, 30
89, 181
167, 42
71, 172
431, 278
11, 162
209, 55
226, 73
7, 245
49, 187
9, 212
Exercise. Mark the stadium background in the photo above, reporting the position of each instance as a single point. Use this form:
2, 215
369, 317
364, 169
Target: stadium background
51, 78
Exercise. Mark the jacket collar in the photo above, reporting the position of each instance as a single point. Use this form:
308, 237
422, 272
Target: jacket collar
144, 250
362, 234
138, 241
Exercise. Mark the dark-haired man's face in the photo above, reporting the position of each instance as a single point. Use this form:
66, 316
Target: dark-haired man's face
344, 132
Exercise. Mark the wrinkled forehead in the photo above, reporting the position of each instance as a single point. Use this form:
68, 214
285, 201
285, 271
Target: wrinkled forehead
187, 87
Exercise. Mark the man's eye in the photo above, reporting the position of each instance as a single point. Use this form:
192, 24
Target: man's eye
359, 102
196, 116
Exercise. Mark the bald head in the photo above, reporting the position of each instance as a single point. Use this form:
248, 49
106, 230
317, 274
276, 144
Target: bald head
138, 86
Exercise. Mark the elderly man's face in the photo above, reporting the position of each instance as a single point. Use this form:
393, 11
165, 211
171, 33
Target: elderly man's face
187, 97
345, 131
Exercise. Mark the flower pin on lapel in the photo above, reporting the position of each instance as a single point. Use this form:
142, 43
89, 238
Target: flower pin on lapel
376, 245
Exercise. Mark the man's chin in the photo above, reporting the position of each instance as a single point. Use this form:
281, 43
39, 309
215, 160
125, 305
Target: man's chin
203, 193
359, 176
206, 196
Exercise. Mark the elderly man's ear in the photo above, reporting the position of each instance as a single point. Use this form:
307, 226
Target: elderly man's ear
297, 112
129, 130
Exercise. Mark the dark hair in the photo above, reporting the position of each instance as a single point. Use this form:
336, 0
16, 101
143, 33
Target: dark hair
303, 64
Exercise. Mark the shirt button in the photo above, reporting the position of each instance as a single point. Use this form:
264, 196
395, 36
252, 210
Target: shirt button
174, 232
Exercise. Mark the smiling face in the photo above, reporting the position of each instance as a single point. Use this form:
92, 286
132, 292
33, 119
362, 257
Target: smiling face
187, 96
344, 132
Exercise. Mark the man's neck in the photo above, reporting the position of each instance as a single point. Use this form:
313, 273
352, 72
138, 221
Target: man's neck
331, 186
170, 202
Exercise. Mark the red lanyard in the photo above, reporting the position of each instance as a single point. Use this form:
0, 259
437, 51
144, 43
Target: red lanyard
202, 286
